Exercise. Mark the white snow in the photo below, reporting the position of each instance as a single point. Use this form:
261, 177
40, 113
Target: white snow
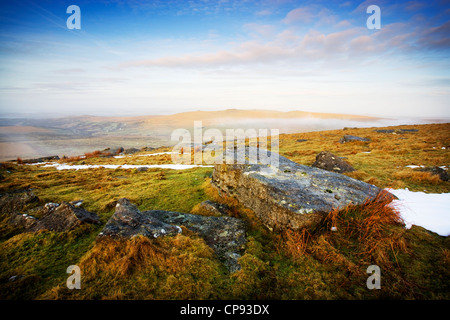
428, 210
412, 166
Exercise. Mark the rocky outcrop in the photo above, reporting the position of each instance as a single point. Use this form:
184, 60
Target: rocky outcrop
127, 221
63, 217
54, 216
349, 138
14, 202
225, 235
328, 161
290, 195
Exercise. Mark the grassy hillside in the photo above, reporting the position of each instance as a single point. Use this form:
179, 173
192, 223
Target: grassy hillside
309, 264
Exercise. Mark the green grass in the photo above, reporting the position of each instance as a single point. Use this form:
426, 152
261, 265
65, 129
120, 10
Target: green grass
309, 264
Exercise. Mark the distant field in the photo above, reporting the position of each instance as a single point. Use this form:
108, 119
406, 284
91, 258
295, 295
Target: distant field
21, 129
33, 138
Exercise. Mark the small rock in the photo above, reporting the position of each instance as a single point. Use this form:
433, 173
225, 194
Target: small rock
212, 208
328, 161
385, 131
63, 217
349, 138
131, 151
443, 175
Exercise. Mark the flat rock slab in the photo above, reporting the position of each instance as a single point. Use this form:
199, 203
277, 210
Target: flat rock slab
290, 195
127, 222
349, 138
225, 235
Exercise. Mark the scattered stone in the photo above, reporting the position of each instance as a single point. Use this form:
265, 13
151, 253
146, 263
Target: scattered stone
328, 161
301, 140
142, 169
443, 174
349, 138
290, 195
63, 217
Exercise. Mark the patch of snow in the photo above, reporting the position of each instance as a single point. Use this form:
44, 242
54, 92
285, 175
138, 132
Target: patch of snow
428, 210
78, 203
414, 166
37, 163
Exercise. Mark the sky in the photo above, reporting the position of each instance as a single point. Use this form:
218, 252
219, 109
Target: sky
162, 57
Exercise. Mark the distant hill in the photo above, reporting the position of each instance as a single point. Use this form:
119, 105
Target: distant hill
28, 138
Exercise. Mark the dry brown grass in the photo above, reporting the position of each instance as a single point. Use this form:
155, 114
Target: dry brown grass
418, 177
347, 236
381, 161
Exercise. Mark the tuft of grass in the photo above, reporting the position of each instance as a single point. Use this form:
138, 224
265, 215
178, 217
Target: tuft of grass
417, 177
179, 267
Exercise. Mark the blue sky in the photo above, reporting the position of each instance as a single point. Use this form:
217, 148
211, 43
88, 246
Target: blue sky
159, 57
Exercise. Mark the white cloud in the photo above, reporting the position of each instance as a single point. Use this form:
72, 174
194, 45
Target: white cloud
300, 15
